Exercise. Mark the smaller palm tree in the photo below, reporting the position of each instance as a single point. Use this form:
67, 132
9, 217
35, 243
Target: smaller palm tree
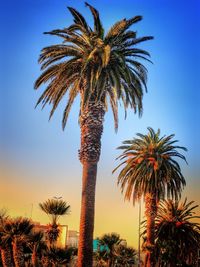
109, 243
100, 258
54, 208
150, 169
37, 245
126, 256
17, 232
177, 235
60, 256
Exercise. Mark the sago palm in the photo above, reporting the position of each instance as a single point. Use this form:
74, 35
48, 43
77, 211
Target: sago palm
177, 233
54, 208
100, 68
150, 169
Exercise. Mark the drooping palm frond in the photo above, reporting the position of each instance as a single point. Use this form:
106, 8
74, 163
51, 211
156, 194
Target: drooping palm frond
177, 233
98, 28
18, 229
94, 65
149, 166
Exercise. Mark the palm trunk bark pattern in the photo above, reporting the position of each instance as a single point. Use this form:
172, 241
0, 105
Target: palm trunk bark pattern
6, 257
150, 212
91, 123
34, 258
18, 254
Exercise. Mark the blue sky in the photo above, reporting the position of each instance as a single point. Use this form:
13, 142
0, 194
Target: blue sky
35, 151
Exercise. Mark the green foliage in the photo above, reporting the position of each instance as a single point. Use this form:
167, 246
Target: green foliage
150, 166
54, 208
32, 243
18, 228
111, 252
95, 65
126, 256
177, 233
60, 256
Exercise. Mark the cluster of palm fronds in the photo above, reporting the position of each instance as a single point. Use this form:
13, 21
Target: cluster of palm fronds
151, 170
112, 252
22, 245
177, 234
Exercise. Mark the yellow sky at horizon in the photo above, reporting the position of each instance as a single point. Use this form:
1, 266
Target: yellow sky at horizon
21, 196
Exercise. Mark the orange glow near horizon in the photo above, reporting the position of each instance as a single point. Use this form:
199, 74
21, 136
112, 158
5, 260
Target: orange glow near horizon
21, 197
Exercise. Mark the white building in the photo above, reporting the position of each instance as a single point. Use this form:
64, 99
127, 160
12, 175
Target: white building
72, 238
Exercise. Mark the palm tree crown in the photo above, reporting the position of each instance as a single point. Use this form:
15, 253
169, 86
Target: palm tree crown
55, 208
19, 228
150, 166
94, 65
108, 245
177, 233
17, 232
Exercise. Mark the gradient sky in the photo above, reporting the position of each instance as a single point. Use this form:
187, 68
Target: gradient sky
39, 160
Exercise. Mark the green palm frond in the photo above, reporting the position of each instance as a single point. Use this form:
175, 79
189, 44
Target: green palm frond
78, 18
98, 28
93, 65
177, 233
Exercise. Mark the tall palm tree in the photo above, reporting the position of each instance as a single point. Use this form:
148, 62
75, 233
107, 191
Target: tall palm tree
17, 231
99, 68
177, 234
54, 208
150, 169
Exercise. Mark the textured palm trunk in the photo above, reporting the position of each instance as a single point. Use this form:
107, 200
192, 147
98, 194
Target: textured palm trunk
45, 261
18, 254
53, 234
6, 257
34, 257
150, 212
91, 123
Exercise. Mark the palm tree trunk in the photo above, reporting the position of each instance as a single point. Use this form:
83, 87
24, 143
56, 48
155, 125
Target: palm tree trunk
45, 261
6, 257
91, 123
150, 212
34, 257
18, 254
